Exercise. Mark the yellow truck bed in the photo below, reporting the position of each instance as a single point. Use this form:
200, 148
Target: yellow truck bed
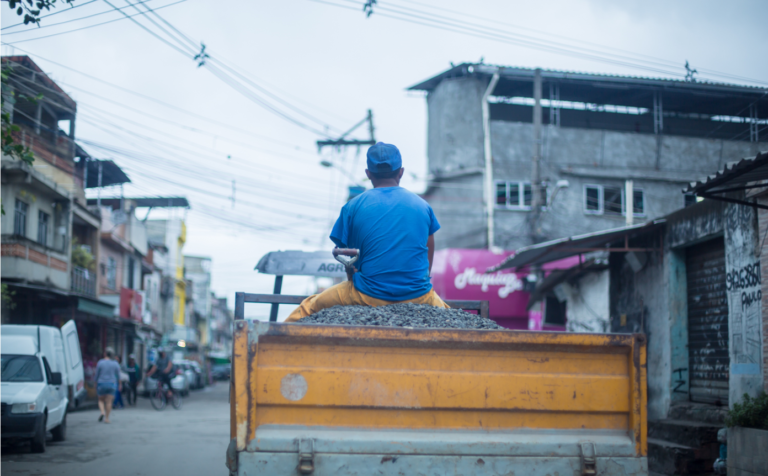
338, 400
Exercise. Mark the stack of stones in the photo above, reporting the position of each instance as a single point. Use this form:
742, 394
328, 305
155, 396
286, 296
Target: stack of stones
400, 315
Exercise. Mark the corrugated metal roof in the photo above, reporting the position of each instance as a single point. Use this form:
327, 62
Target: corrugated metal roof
465, 69
573, 245
733, 176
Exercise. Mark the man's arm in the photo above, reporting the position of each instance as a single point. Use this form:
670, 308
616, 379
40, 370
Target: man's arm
430, 251
170, 366
152, 370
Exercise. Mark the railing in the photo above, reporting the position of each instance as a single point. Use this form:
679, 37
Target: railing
83, 281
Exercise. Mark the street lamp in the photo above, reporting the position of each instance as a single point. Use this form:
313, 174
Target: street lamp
329, 164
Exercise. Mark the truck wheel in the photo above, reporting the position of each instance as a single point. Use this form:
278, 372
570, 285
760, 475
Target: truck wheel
60, 432
38, 441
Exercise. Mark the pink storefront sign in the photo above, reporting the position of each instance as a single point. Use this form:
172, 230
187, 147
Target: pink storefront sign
460, 274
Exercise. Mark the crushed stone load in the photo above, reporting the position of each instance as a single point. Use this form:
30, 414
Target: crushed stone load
400, 315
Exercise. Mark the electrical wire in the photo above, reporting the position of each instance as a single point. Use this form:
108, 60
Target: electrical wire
480, 31
237, 86
157, 101
653, 59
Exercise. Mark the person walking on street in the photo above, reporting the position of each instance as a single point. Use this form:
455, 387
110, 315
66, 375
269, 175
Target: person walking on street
123, 382
134, 377
107, 383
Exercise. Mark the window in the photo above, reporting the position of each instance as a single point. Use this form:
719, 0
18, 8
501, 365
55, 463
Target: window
593, 199
501, 194
43, 220
599, 200
111, 273
74, 347
517, 195
613, 200
20, 219
20, 368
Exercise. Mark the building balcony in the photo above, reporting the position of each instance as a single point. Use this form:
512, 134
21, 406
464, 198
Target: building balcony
28, 261
83, 281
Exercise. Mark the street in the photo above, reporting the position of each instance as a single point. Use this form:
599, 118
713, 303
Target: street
139, 441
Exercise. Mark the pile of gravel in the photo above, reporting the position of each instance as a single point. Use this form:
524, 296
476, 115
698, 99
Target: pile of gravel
400, 315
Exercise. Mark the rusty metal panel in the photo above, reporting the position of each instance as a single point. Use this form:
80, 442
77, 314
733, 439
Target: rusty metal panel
345, 399
707, 323
335, 464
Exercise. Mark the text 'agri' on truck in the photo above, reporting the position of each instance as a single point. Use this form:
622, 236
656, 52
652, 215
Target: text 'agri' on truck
349, 400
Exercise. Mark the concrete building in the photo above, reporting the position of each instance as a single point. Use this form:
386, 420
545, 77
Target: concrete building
171, 234
600, 134
197, 271
53, 261
692, 282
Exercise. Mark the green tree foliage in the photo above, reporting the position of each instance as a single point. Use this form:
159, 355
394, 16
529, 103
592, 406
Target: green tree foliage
31, 9
751, 413
9, 145
82, 257
7, 297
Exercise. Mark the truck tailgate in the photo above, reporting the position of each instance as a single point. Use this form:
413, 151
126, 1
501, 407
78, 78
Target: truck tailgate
311, 399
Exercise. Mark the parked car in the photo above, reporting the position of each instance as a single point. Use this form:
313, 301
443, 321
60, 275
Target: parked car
41, 368
221, 371
200, 379
188, 371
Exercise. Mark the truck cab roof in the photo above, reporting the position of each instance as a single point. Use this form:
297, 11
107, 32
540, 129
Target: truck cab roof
18, 345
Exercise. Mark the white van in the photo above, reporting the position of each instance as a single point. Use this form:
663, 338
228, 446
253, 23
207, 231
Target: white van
42, 371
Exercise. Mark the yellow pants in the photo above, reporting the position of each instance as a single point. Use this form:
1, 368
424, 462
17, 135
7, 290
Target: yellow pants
345, 294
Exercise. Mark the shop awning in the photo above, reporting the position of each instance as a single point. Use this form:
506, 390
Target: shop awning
566, 247
95, 307
736, 176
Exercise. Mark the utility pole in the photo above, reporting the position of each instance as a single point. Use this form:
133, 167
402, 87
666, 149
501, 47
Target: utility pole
341, 141
536, 202
490, 191
629, 194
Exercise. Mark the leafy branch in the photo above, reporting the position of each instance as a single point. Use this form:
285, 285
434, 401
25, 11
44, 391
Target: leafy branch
31, 9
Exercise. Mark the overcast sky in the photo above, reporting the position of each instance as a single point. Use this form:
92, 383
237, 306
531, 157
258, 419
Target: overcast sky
331, 63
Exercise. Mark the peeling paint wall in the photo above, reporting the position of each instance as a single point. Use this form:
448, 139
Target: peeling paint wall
762, 216
744, 291
587, 303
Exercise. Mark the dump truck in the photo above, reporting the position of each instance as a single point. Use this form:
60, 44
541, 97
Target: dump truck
365, 400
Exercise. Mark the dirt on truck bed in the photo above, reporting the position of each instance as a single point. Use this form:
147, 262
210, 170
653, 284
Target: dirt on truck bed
400, 315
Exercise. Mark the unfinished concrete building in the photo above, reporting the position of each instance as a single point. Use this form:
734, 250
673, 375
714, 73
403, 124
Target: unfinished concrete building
601, 136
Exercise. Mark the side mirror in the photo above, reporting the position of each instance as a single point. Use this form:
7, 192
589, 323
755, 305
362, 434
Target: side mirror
55, 378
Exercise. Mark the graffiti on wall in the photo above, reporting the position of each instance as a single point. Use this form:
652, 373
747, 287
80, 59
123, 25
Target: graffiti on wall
743, 285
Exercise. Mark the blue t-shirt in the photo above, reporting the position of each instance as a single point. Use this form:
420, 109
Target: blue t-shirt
390, 226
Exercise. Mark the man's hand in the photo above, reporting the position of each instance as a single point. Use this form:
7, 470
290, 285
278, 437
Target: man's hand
351, 272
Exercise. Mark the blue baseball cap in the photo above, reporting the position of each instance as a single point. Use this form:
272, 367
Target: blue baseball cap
382, 155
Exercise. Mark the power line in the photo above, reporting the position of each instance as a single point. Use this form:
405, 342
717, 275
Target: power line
658, 60
237, 86
85, 27
480, 31
130, 17
155, 100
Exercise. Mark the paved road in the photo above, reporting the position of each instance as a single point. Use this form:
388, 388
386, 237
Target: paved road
139, 441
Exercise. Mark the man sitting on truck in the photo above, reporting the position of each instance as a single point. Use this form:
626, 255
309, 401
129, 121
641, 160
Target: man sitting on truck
394, 231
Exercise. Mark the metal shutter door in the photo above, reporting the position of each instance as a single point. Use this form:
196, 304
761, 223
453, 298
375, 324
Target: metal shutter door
707, 323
